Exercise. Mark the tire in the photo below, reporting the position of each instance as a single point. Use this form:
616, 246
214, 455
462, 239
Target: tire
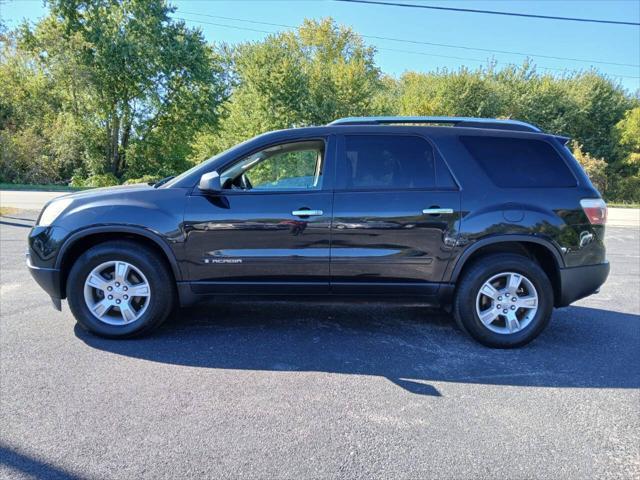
523, 322
135, 315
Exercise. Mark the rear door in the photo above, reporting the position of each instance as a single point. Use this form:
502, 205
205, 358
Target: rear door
395, 211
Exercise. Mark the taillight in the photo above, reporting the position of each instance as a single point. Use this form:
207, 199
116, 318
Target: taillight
595, 209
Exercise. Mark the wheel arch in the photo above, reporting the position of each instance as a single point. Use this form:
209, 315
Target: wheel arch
80, 241
540, 250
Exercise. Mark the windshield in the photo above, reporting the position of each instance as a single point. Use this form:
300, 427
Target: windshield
185, 174
201, 165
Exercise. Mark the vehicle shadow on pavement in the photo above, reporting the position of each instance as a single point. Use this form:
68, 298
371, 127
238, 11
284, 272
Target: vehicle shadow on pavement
15, 461
411, 346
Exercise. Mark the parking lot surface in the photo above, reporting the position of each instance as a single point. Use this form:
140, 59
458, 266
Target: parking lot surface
317, 391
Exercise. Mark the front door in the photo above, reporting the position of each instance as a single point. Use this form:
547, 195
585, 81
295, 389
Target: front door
268, 231
395, 210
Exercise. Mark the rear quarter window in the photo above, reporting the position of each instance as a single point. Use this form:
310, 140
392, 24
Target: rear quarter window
519, 162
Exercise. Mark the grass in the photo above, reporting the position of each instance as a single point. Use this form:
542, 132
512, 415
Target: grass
7, 211
623, 205
45, 188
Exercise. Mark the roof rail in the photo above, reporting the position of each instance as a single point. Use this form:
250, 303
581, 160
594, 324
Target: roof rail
456, 121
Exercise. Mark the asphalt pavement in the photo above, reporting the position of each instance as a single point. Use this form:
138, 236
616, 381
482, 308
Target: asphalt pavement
318, 391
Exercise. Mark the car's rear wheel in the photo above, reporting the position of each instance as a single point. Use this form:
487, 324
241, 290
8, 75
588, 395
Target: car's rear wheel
504, 300
120, 289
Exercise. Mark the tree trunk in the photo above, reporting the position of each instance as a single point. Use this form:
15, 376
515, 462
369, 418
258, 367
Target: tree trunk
126, 136
115, 146
107, 150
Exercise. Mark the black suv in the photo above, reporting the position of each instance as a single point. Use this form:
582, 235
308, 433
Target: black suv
494, 219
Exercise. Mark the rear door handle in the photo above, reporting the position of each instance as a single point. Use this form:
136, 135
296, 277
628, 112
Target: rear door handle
437, 211
307, 213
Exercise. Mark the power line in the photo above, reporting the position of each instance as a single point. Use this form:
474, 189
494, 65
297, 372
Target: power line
493, 12
563, 70
380, 48
225, 25
420, 42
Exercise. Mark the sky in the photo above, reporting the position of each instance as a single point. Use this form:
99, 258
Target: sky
537, 38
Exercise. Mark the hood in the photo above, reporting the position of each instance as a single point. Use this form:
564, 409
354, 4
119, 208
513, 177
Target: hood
107, 191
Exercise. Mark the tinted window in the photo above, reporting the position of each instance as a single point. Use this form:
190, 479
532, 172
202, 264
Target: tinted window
518, 162
387, 162
444, 179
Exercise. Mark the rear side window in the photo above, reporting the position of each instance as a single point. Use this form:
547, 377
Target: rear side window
519, 162
387, 162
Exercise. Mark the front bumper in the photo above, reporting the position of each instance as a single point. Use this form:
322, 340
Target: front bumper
580, 282
48, 279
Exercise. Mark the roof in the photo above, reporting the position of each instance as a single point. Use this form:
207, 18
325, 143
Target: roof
501, 124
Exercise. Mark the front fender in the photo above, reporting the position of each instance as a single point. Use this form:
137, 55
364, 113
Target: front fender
155, 215
155, 237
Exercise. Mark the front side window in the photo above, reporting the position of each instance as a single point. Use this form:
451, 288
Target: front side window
290, 166
387, 162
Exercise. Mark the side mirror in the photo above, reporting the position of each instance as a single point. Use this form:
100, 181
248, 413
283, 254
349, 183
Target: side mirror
210, 182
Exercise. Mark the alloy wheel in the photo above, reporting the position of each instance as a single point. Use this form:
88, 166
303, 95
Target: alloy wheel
507, 303
117, 292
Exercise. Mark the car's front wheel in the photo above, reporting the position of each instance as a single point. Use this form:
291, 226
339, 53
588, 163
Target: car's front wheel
120, 289
504, 300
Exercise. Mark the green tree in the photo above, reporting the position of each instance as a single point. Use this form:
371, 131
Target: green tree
600, 105
461, 93
42, 140
107, 90
595, 168
626, 171
308, 77
539, 99
152, 81
627, 135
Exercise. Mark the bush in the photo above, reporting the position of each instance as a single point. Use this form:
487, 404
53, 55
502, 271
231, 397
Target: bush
94, 181
627, 190
595, 168
22, 159
143, 179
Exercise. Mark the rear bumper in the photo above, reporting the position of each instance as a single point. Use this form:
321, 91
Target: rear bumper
48, 279
580, 282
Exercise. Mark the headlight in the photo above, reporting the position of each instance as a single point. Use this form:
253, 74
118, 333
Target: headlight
51, 211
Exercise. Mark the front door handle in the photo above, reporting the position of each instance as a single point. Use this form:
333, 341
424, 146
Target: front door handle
437, 211
307, 213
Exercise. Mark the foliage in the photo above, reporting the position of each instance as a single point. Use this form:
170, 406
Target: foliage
594, 167
628, 189
299, 165
107, 90
133, 84
94, 181
462, 93
626, 169
309, 77
627, 132
143, 179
